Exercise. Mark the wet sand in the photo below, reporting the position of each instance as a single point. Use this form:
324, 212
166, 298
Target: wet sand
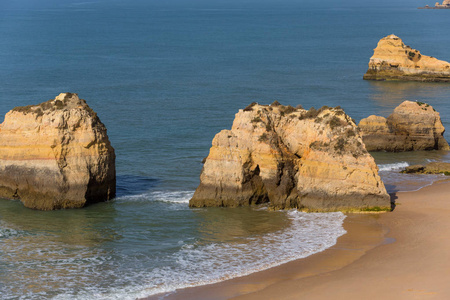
404, 254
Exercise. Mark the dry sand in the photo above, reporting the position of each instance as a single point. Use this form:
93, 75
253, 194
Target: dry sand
404, 254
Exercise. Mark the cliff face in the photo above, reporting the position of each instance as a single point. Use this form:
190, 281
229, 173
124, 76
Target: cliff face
56, 155
393, 60
292, 158
412, 126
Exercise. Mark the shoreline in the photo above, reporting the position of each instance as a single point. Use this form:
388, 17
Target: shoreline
363, 261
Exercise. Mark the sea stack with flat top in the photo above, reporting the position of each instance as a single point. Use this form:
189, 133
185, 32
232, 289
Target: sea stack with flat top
313, 160
393, 60
56, 155
412, 126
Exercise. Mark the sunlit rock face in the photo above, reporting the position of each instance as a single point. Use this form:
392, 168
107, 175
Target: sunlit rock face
291, 158
56, 155
393, 60
412, 126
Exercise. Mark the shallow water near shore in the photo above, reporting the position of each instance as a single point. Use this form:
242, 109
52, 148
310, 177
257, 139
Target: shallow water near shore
114, 250
165, 78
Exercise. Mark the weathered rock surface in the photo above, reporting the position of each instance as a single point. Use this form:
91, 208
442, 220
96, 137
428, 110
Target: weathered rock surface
430, 168
412, 126
56, 155
393, 60
292, 158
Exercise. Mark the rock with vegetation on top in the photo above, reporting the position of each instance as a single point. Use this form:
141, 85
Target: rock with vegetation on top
291, 158
412, 126
56, 155
393, 60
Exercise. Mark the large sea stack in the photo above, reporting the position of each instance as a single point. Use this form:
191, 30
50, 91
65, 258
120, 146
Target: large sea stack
292, 158
56, 155
412, 126
393, 60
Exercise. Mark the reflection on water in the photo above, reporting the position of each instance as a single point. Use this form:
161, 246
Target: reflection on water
38, 248
129, 248
390, 94
411, 157
82, 227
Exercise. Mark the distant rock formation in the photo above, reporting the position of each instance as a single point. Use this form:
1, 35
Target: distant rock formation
393, 60
412, 126
430, 168
56, 155
292, 158
445, 5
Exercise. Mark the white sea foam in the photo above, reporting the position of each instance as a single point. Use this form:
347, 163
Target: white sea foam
7, 231
428, 160
393, 167
172, 196
194, 264
163, 196
87, 270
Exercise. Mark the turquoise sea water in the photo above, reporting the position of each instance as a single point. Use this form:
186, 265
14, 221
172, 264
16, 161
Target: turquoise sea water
165, 77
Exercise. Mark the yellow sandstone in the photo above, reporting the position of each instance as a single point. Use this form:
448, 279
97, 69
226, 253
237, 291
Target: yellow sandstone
291, 158
393, 60
412, 126
56, 155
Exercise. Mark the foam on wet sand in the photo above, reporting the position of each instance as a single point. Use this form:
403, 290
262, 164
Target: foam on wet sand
398, 255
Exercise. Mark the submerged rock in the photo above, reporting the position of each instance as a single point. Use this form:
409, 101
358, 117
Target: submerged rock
393, 60
292, 158
430, 168
56, 155
412, 126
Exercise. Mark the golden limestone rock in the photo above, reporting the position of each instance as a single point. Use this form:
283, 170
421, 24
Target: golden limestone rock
445, 5
56, 155
412, 126
292, 158
393, 60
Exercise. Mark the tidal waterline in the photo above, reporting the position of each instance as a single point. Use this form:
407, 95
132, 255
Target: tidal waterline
165, 78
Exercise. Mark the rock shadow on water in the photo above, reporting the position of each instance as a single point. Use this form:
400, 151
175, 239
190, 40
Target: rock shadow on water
130, 185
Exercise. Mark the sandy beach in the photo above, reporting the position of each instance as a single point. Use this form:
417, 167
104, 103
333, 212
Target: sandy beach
403, 254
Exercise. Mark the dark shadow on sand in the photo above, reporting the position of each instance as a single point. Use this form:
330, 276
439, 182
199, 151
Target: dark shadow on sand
393, 198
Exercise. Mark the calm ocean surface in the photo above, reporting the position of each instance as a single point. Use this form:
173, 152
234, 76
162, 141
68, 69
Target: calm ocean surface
165, 77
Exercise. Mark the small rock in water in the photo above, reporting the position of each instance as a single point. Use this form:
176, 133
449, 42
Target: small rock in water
393, 60
412, 126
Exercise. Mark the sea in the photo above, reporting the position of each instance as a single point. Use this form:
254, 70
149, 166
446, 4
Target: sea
165, 77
